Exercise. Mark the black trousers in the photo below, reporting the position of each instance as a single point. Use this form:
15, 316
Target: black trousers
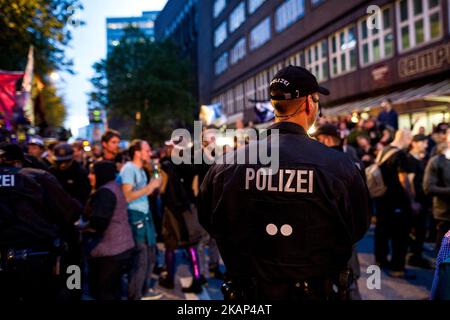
418, 232
29, 280
393, 224
442, 227
105, 275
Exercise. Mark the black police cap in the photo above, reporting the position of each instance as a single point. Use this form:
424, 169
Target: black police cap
295, 82
12, 152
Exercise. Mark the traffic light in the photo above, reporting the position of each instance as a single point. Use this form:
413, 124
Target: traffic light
95, 115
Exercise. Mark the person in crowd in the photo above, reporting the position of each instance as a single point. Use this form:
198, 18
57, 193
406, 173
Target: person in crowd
393, 215
438, 139
70, 174
35, 150
48, 156
78, 154
440, 289
436, 183
388, 116
107, 233
110, 144
136, 188
365, 151
416, 163
35, 213
180, 226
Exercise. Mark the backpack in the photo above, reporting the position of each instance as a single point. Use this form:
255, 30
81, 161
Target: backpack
375, 181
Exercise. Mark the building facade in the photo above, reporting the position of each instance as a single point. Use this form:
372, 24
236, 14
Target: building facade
179, 22
115, 27
363, 51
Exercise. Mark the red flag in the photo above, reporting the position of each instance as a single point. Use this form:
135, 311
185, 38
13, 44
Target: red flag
8, 91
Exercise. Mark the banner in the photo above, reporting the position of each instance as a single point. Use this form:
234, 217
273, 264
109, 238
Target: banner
26, 102
264, 111
8, 92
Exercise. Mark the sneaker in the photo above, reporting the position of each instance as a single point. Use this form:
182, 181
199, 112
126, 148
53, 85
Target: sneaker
152, 294
195, 287
166, 283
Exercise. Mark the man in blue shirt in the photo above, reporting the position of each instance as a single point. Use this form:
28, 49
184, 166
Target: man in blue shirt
388, 116
136, 189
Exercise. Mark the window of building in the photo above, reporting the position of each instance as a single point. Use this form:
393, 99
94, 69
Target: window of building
230, 102
294, 60
239, 97
374, 44
316, 60
219, 5
254, 4
274, 69
249, 92
221, 63
237, 17
220, 34
316, 2
260, 34
418, 21
289, 12
262, 87
238, 51
342, 46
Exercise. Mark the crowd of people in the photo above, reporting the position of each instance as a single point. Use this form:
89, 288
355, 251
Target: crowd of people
136, 215
414, 207
125, 215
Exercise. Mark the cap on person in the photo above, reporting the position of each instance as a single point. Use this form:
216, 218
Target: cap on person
328, 129
419, 137
63, 152
12, 152
36, 141
294, 82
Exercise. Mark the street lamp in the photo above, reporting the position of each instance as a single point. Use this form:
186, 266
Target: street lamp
54, 76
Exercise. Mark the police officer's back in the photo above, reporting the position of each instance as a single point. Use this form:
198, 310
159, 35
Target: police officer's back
33, 210
288, 235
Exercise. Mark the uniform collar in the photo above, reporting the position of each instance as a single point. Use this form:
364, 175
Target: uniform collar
288, 127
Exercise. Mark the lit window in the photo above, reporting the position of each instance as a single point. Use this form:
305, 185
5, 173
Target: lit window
237, 17
229, 102
254, 4
238, 51
316, 2
289, 12
221, 63
293, 60
316, 58
262, 87
219, 5
220, 34
419, 22
374, 44
274, 69
249, 92
239, 97
343, 51
260, 34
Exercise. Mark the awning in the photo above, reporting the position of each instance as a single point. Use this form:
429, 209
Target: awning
439, 92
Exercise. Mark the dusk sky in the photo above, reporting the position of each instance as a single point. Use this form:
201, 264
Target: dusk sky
88, 46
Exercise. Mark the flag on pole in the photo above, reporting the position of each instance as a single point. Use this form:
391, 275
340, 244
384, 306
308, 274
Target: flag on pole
26, 102
264, 111
8, 92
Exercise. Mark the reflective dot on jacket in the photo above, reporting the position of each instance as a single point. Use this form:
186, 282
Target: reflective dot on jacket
286, 230
271, 229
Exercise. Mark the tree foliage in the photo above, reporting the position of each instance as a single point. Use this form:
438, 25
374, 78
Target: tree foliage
46, 25
146, 78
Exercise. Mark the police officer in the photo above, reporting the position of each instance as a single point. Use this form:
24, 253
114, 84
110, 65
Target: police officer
33, 211
287, 234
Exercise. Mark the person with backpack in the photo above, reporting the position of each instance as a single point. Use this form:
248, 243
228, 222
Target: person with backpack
436, 183
388, 184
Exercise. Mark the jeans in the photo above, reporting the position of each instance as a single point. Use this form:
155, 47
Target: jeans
141, 270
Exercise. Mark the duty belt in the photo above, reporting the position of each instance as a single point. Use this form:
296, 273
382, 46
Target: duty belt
328, 288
